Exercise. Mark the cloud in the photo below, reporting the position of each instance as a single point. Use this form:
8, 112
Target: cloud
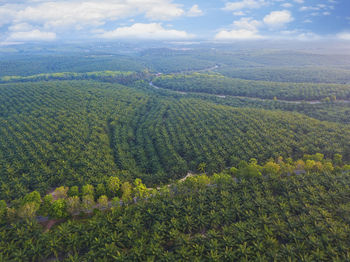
145, 31
344, 36
21, 27
7, 12
278, 18
239, 34
195, 11
287, 5
80, 13
316, 8
299, 1
33, 35
243, 29
307, 36
157, 9
247, 23
239, 13
244, 4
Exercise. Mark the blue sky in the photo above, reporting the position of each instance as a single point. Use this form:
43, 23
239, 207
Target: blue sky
220, 20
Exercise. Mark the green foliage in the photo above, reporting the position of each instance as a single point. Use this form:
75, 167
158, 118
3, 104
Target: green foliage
271, 168
87, 131
105, 76
102, 202
79, 132
248, 170
30, 65
88, 190
100, 190
261, 218
61, 192
46, 205
73, 205
113, 185
28, 210
59, 209
220, 85
290, 74
126, 189
73, 191
32, 197
338, 159
140, 190
88, 203
333, 112
3, 210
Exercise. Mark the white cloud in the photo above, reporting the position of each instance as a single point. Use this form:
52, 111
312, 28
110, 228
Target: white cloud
145, 31
34, 35
7, 12
239, 34
247, 23
278, 18
80, 13
299, 1
316, 8
157, 9
22, 27
243, 29
239, 13
308, 36
244, 4
195, 11
344, 36
287, 5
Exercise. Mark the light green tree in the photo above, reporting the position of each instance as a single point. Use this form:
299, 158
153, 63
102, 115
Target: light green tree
102, 202
88, 203
73, 205
28, 210
46, 205
113, 185
88, 190
59, 209
126, 192
73, 191
61, 192
140, 189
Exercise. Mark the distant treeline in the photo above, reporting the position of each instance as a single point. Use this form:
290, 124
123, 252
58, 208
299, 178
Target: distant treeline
107, 76
221, 85
290, 74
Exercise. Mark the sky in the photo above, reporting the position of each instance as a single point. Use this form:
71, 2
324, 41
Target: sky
25, 21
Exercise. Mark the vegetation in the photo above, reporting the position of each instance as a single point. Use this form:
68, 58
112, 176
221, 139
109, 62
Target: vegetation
220, 85
106, 76
67, 132
38, 64
282, 210
99, 164
288, 74
325, 111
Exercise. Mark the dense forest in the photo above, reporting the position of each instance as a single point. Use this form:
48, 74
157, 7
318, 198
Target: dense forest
220, 85
288, 74
174, 154
67, 131
282, 210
